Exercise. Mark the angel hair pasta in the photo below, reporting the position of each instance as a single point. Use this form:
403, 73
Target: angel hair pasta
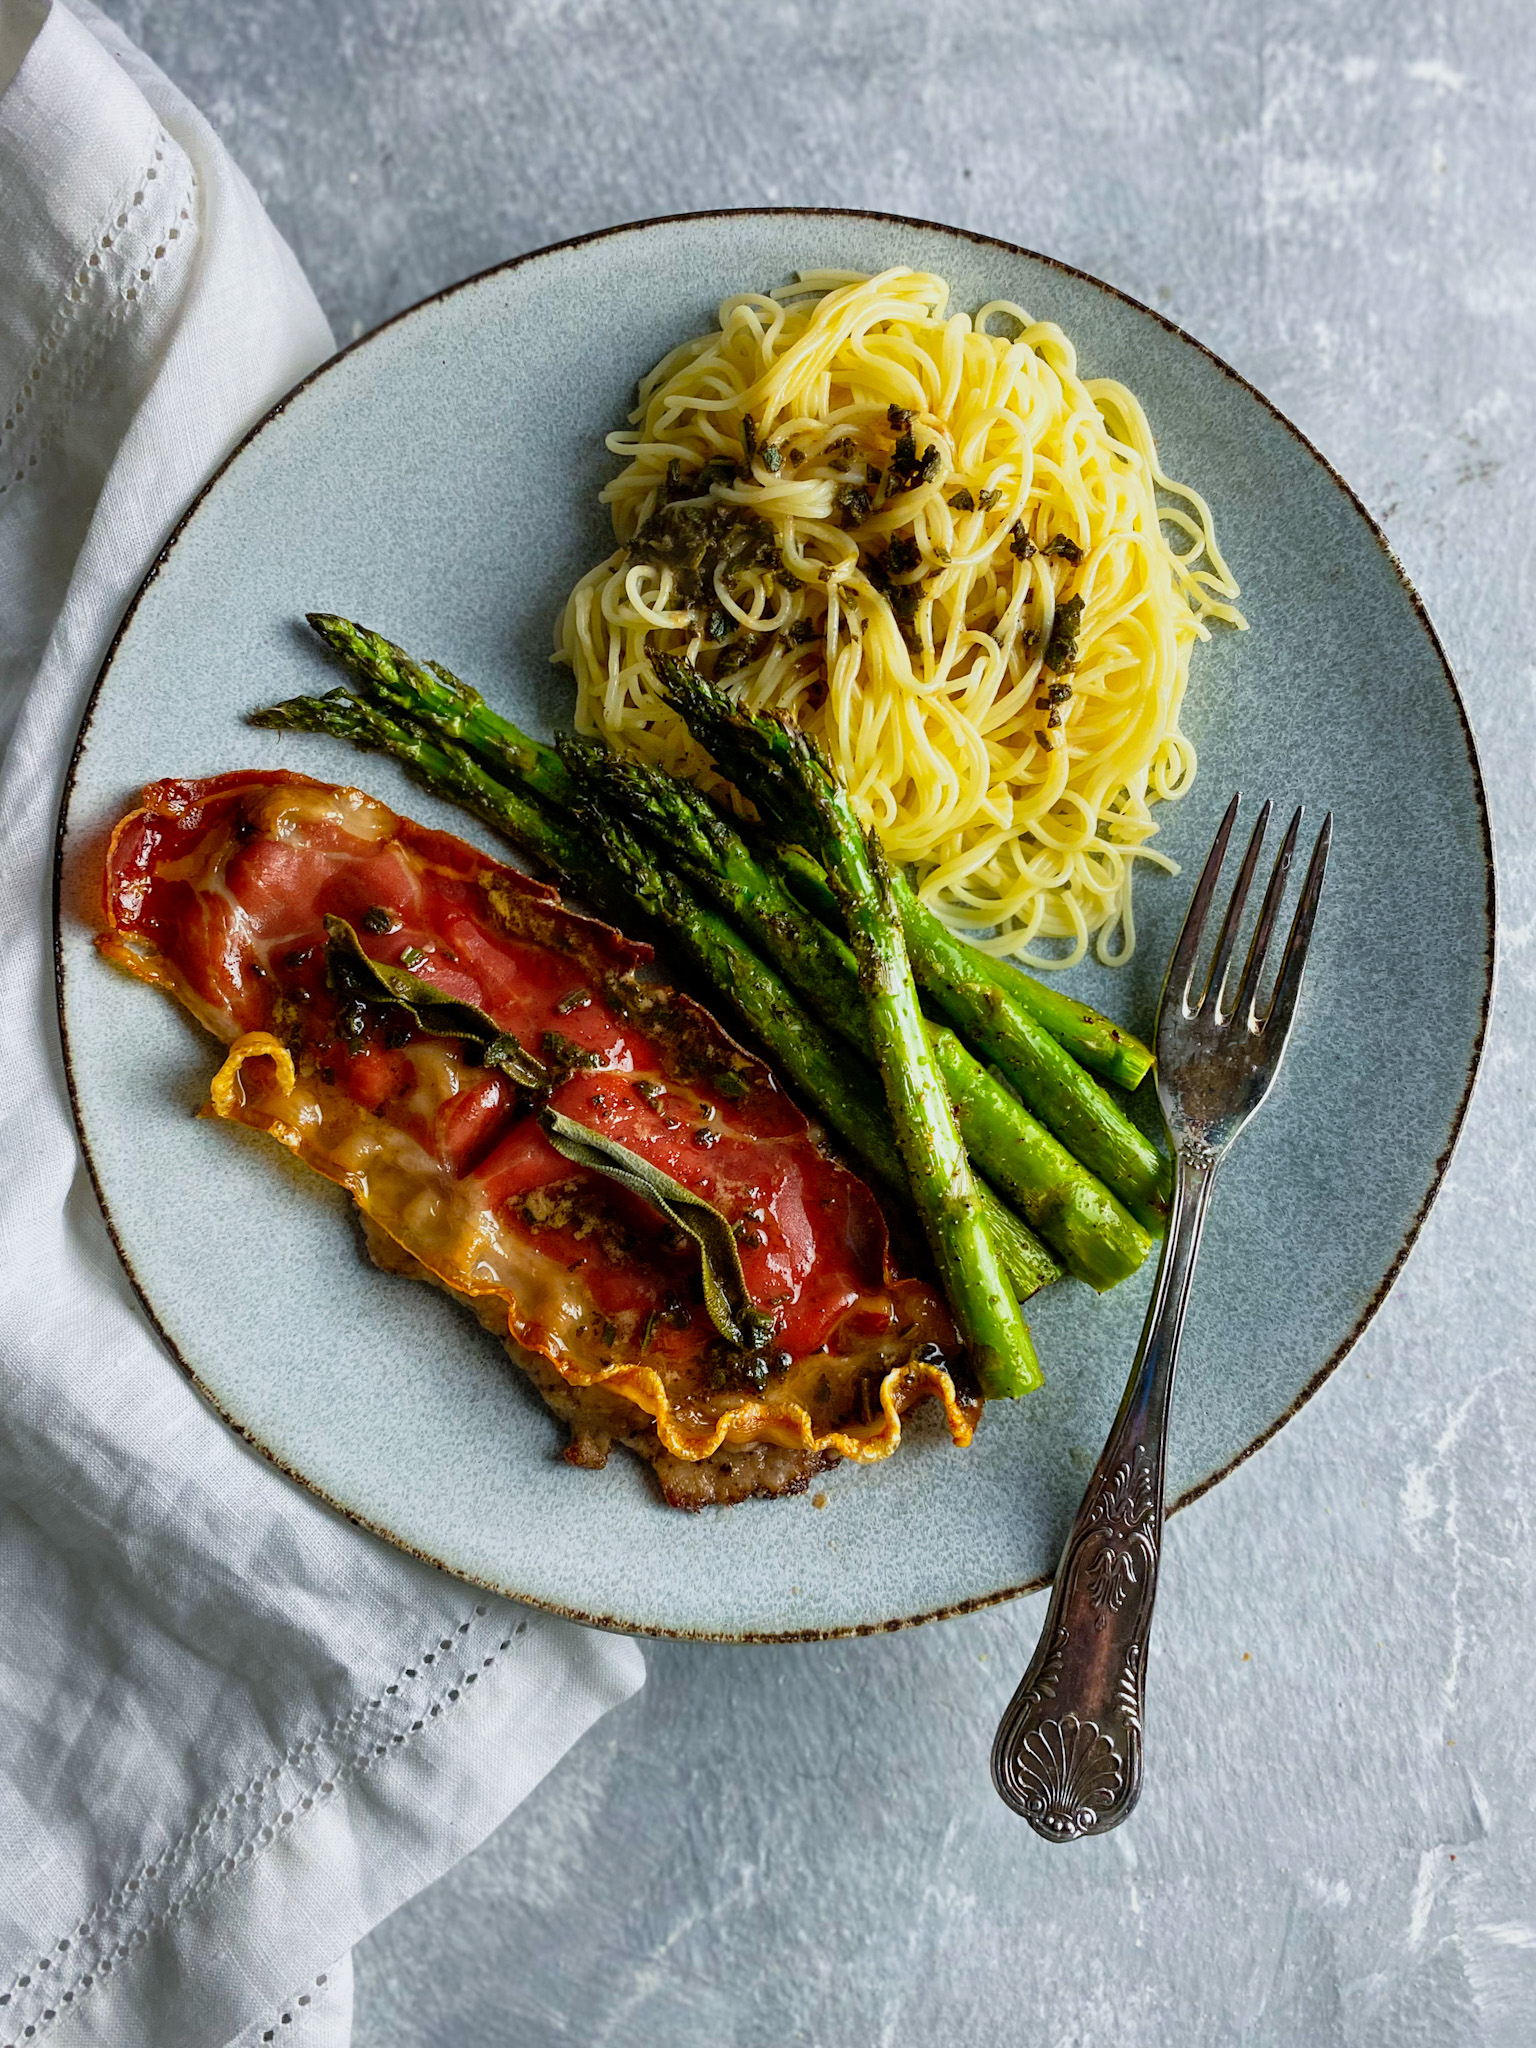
927, 540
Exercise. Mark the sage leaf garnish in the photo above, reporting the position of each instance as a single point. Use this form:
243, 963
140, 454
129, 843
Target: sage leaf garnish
355, 978
1062, 545
908, 468
725, 1287
1061, 648
699, 539
854, 502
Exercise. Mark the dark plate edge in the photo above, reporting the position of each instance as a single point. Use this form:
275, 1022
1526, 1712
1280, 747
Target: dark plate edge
1410, 1236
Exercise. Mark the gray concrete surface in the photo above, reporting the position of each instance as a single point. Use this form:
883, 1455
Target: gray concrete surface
798, 1846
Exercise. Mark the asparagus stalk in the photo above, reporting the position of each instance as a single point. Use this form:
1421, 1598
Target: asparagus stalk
1068, 1101
794, 789
609, 868
808, 879
456, 712
1007, 1145
451, 771
1093, 1039
1096, 1239
1027, 1264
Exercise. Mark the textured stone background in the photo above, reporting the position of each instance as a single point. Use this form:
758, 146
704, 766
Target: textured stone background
795, 1846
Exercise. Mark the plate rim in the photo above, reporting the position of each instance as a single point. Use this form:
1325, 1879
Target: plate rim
616, 1623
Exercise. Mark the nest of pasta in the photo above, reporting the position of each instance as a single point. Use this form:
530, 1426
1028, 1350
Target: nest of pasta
924, 538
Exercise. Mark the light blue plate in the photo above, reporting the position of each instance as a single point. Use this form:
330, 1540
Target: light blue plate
439, 481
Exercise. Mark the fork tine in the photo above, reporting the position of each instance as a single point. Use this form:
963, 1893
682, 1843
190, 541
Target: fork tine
1181, 968
1288, 985
1217, 985
1246, 1005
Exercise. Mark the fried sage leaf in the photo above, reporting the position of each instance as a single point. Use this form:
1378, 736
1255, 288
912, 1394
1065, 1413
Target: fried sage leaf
702, 538
354, 977
1061, 649
725, 1287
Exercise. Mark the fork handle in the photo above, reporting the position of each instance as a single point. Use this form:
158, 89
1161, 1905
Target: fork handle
1068, 1750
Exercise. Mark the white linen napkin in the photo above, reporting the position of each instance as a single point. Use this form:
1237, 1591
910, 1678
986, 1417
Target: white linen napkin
236, 1731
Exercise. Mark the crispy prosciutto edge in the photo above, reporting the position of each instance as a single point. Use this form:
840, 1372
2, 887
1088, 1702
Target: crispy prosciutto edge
597, 1419
280, 1111
755, 1443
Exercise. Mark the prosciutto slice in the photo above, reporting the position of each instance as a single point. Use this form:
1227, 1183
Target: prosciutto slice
218, 891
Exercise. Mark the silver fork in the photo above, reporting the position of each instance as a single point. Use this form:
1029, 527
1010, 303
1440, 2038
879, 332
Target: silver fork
1068, 1750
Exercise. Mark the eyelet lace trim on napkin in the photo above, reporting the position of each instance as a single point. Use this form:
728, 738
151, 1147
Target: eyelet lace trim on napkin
229, 1834
154, 215
290, 2016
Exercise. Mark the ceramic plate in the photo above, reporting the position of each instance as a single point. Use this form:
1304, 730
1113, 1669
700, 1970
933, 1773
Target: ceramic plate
439, 480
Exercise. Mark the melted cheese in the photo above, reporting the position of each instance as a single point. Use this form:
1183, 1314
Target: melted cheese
440, 1222
289, 811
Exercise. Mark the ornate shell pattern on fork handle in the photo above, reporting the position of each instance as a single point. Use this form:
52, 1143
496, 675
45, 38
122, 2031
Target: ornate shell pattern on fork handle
1068, 1751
